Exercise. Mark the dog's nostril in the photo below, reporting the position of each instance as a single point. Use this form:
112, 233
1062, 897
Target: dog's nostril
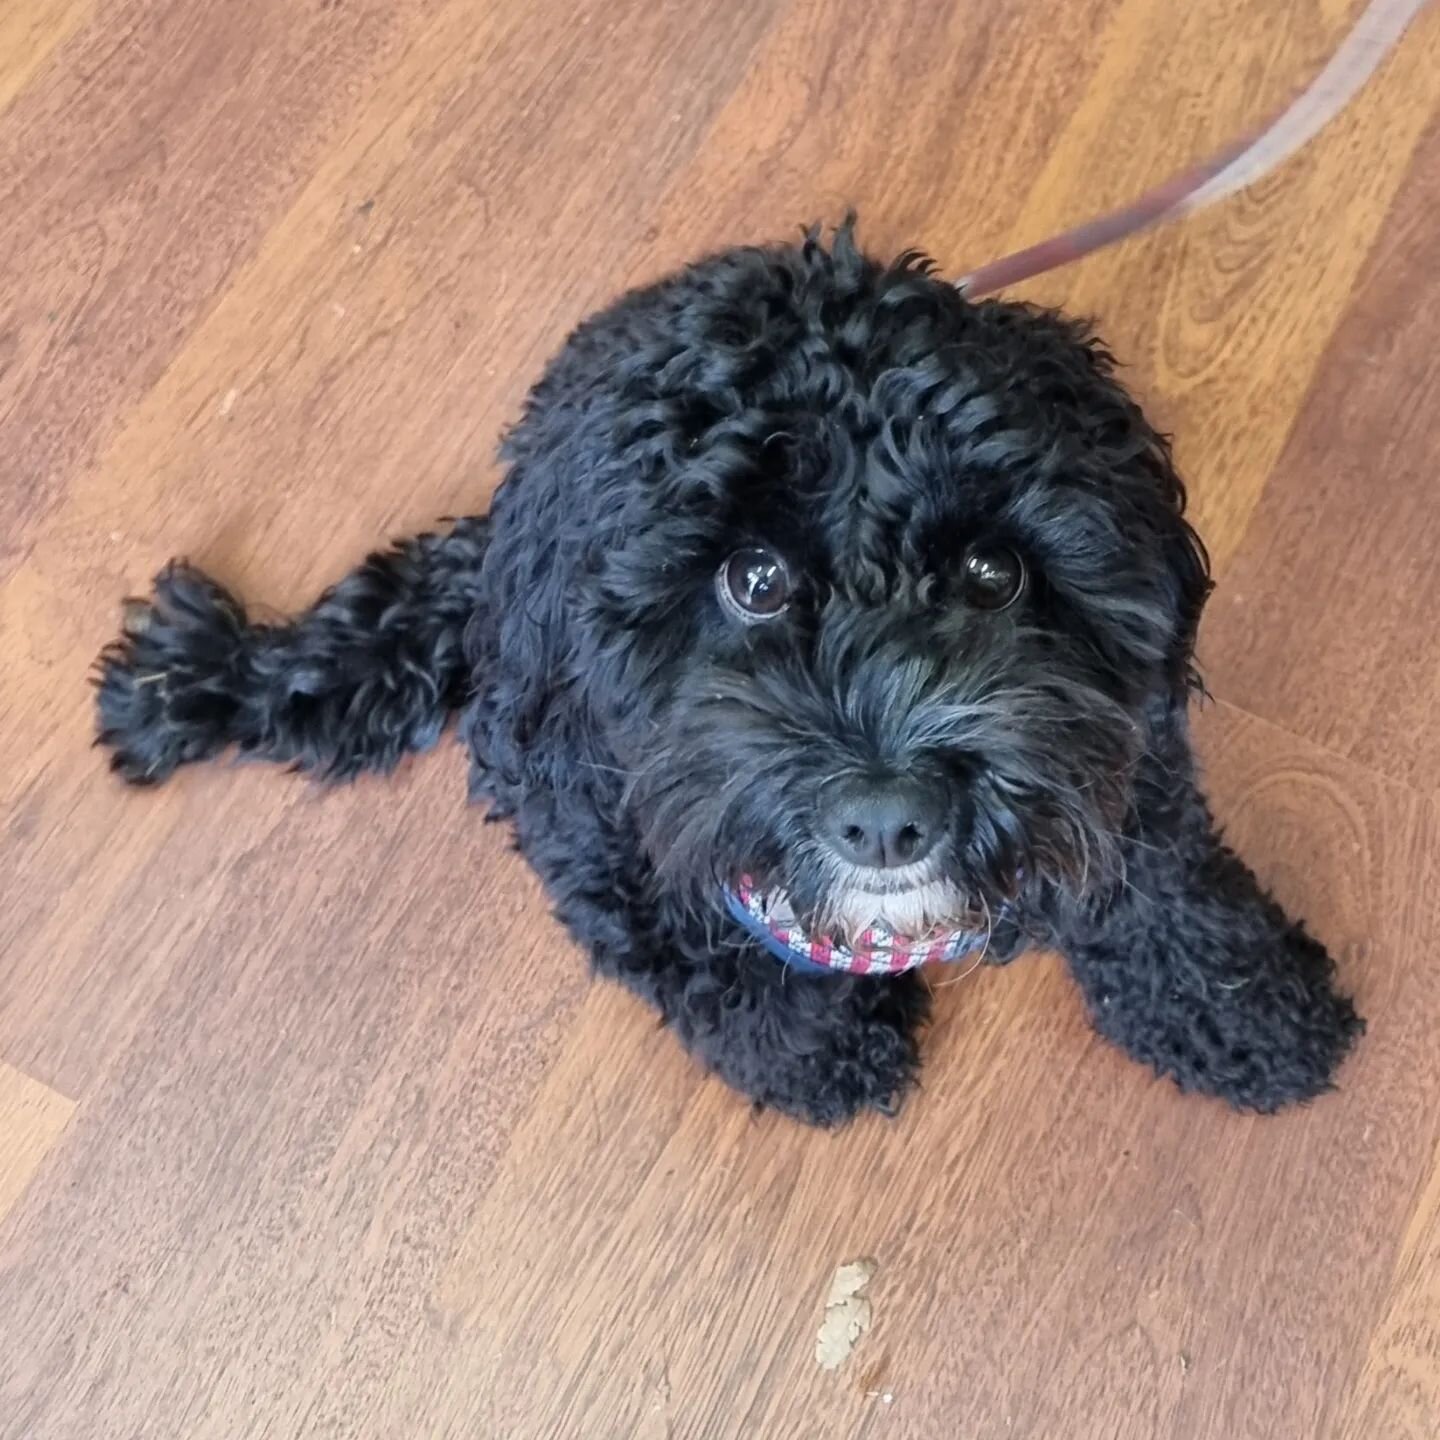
881, 823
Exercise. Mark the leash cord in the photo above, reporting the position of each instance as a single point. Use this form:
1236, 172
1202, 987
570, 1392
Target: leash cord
1239, 165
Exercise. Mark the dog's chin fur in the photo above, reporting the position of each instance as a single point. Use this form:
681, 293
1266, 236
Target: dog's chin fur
925, 905
909, 900
868, 425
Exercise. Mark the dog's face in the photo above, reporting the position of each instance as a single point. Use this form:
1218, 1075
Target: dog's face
891, 609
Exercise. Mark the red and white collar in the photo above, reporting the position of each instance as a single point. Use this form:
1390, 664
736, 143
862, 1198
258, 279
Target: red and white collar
878, 951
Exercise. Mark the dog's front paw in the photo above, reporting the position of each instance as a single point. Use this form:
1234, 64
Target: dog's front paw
875, 1073
1265, 1030
170, 686
1280, 1041
860, 1055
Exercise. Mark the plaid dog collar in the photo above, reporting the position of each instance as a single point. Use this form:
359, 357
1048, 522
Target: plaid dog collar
879, 951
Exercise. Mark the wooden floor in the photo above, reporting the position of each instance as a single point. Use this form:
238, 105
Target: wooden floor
287, 1149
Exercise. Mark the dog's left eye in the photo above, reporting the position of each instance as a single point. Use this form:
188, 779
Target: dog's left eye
754, 585
993, 578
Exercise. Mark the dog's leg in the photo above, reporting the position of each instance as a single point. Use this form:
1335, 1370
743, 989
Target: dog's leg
365, 675
1197, 972
821, 1048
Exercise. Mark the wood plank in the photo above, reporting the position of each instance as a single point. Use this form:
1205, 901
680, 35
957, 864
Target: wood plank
302, 1121
1326, 621
1055, 1231
133, 179
1225, 316
366, 359
30, 33
32, 1119
934, 128
1398, 1392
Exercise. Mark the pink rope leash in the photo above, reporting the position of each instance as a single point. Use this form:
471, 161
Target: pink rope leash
1237, 166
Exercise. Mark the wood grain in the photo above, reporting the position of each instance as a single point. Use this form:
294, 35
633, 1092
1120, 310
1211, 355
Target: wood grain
29, 35
1325, 622
1237, 304
1398, 1392
359, 1151
32, 1119
132, 182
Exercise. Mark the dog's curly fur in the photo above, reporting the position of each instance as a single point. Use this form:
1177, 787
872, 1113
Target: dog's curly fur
867, 423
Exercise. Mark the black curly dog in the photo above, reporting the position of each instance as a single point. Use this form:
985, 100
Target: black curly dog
808, 569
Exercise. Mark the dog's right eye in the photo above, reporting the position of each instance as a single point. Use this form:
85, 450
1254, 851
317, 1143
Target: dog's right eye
754, 585
992, 579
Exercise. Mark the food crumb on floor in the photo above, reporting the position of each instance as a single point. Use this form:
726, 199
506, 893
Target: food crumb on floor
847, 1314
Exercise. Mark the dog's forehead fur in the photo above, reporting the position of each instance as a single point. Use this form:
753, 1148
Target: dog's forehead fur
869, 423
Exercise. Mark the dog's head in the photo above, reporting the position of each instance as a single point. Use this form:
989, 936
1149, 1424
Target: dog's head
889, 593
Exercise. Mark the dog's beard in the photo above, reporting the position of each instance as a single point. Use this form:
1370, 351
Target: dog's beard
832, 898
728, 789
920, 899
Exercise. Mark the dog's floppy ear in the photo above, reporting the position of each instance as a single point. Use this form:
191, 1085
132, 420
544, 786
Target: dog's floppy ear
1121, 441
1187, 567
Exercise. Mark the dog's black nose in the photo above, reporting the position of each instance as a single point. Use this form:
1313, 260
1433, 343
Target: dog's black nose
882, 823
